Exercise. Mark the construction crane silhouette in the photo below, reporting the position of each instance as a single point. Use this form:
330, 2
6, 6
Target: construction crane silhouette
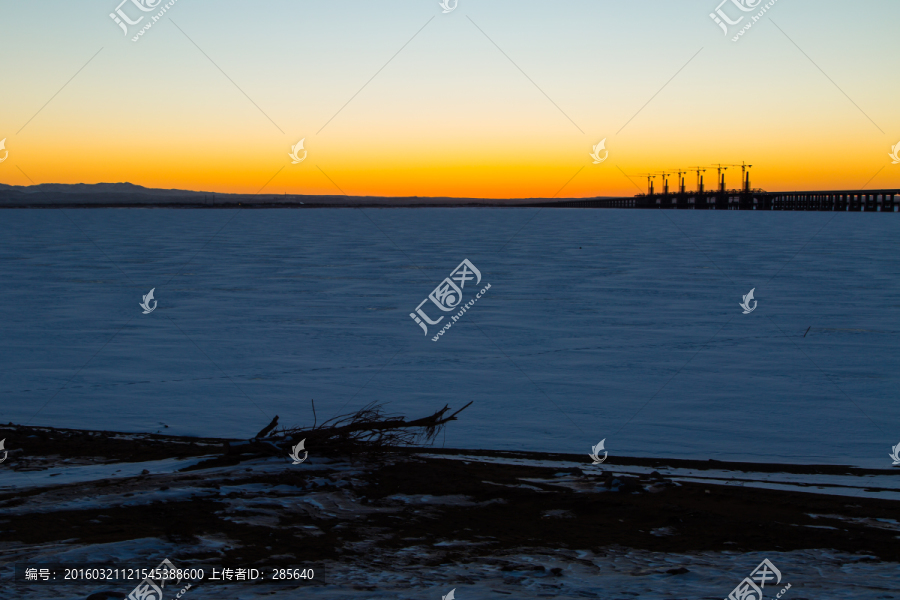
665, 178
699, 178
681, 173
699, 170
720, 175
650, 177
745, 179
745, 176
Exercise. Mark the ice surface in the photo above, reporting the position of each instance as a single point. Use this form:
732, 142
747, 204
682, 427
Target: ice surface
885, 486
62, 475
616, 324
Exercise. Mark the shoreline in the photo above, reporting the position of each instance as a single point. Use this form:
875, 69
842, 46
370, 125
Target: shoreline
408, 519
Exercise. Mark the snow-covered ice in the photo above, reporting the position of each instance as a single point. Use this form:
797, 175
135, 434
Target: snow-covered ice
615, 324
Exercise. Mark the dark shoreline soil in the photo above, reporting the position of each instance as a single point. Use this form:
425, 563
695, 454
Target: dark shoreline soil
135, 447
492, 506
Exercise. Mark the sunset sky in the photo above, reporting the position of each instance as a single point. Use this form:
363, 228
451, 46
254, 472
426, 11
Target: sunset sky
494, 99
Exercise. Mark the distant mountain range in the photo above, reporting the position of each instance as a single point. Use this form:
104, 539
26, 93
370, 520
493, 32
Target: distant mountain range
97, 195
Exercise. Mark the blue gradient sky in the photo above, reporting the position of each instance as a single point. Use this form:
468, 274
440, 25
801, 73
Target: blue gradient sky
450, 114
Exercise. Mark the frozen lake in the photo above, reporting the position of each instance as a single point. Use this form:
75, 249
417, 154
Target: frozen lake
615, 324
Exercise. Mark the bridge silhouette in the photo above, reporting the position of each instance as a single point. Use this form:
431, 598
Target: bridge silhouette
819, 200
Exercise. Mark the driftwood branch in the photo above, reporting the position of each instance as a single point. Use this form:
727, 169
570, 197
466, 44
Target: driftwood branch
265, 431
368, 428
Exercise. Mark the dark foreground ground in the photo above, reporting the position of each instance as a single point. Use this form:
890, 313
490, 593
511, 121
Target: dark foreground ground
367, 511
